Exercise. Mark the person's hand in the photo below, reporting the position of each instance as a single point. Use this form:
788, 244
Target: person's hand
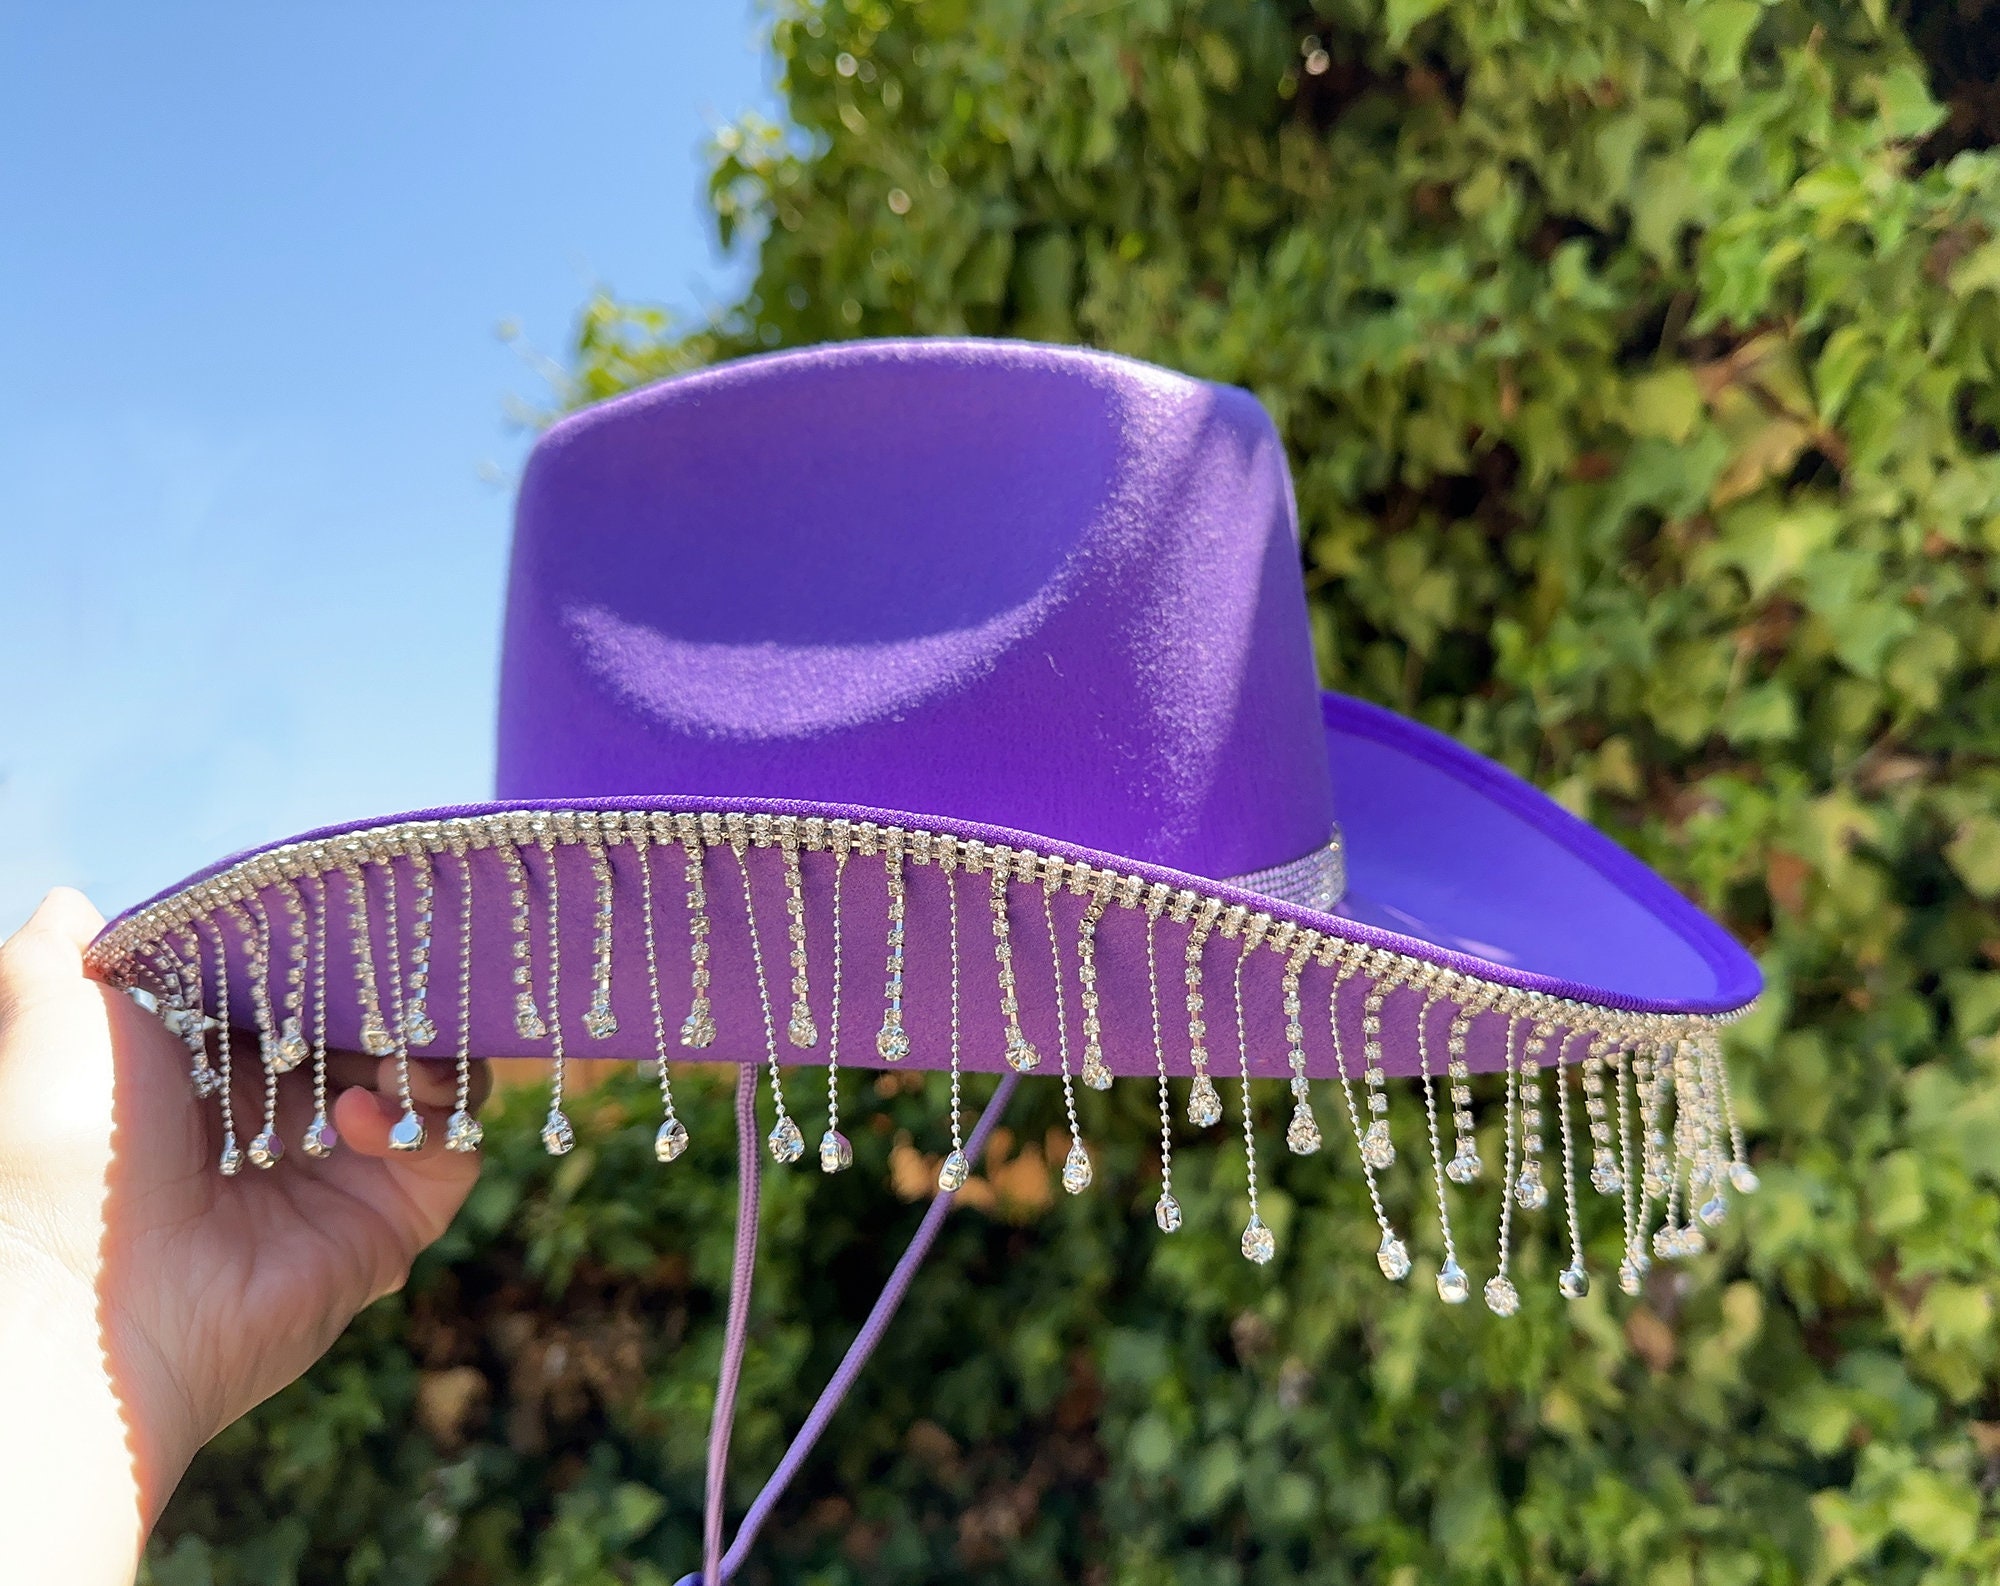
145, 1300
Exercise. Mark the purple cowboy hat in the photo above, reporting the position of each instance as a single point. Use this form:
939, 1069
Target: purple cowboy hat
952, 704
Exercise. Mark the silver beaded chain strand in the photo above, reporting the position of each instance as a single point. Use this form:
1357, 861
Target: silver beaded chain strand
1259, 1244
787, 1144
407, 1133
836, 1151
1020, 1051
1464, 1166
528, 1022
698, 1029
265, 1149
1378, 1150
320, 1138
292, 1049
892, 1043
1632, 1269
1167, 1210
374, 1037
1502, 1298
231, 1160
1204, 1104
600, 1022
419, 1028
1096, 1074
1574, 1282
800, 1029
1452, 1284
1742, 1177
1531, 1191
1391, 1255
1302, 1134
1076, 1169
957, 1167
462, 1131
558, 1134
670, 1142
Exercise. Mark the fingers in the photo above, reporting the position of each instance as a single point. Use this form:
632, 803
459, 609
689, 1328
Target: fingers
369, 1107
65, 915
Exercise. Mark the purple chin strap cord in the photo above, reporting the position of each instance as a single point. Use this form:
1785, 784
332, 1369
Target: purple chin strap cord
717, 1566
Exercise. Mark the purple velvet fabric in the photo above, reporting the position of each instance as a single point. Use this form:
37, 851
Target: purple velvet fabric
1037, 587
1022, 594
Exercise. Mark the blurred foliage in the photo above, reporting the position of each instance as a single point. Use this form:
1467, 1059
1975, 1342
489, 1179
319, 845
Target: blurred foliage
1636, 359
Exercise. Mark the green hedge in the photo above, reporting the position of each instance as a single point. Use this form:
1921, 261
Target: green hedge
1637, 365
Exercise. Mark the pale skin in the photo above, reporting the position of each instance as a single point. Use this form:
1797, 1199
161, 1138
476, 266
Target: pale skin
146, 1301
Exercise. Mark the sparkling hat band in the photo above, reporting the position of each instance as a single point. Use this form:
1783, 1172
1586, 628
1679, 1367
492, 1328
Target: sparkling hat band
1317, 880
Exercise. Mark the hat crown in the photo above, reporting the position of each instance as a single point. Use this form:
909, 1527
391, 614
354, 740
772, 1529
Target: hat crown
1045, 588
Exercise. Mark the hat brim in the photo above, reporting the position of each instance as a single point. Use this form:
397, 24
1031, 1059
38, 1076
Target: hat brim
1463, 881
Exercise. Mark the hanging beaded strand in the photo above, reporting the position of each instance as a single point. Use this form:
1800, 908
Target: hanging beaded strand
419, 1028
291, 1049
1452, 1284
1302, 1134
787, 1144
957, 1167
407, 1133
1531, 1191
836, 1151
698, 1028
800, 1029
462, 1131
1574, 1282
1604, 1175
1742, 1177
558, 1134
1715, 1156
1166, 1210
528, 1022
265, 1149
1378, 1150
1096, 1074
1502, 1298
892, 1044
192, 1024
1020, 1051
1258, 1243
1632, 1269
320, 1138
670, 1142
1076, 1170
1391, 1255
1464, 1166
1204, 1104
600, 1022
374, 1037
231, 1160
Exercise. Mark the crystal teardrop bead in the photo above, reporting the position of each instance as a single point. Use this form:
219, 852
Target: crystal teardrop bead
1167, 1213
802, 1031
1453, 1285
835, 1152
954, 1173
1392, 1258
1502, 1298
1605, 1178
1095, 1074
1258, 1244
671, 1140
600, 1023
231, 1160
1630, 1278
1021, 1054
320, 1138
463, 1132
1530, 1193
375, 1038
266, 1149
291, 1049
528, 1023
421, 1030
558, 1134
1714, 1210
891, 1044
1377, 1149
1204, 1106
1574, 1283
1743, 1178
1302, 1133
1076, 1169
407, 1133
1464, 1166
786, 1142
698, 1029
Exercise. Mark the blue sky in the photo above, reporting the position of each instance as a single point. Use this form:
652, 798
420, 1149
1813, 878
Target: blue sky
256, 453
